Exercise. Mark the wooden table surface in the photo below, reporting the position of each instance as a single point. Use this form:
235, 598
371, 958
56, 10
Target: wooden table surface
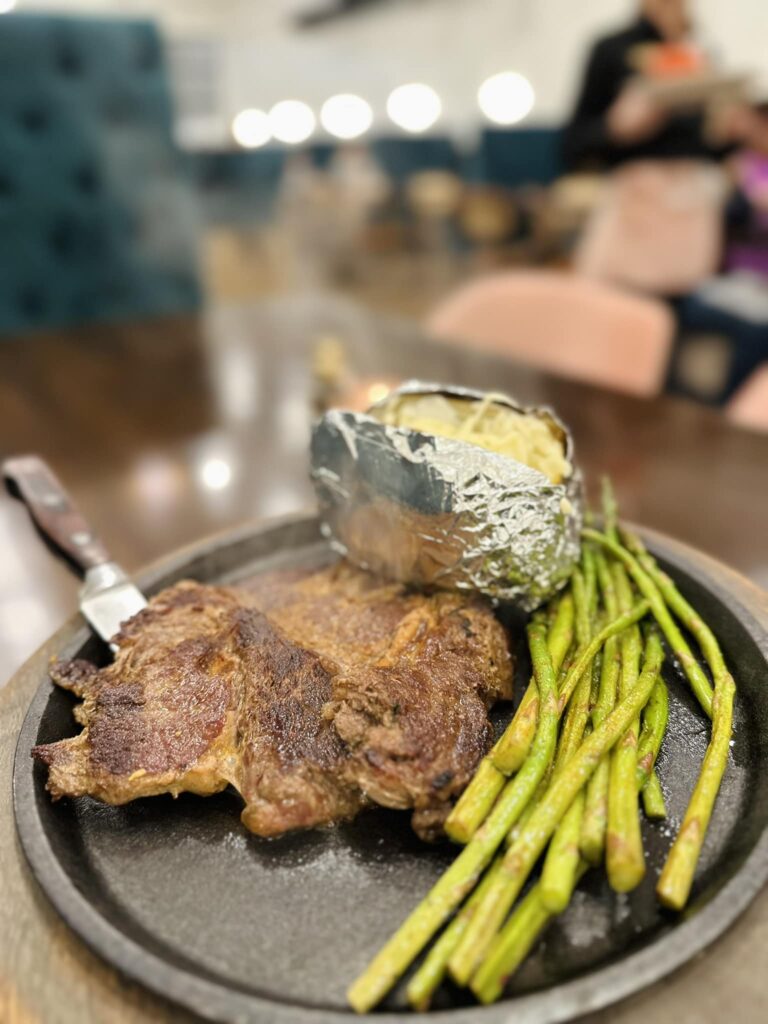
166, 432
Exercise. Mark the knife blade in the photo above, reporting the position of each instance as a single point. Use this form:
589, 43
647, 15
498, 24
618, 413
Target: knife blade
108, 597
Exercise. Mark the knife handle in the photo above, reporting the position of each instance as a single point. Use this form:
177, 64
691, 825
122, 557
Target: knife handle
54, 513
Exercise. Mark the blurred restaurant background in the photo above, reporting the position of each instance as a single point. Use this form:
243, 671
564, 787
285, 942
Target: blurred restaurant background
580, 188
438, 159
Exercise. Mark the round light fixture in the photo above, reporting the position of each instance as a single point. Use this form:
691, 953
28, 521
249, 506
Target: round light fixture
215, 474
291, 121
506, 98
414, 107
250, 128
6, 6
346, 116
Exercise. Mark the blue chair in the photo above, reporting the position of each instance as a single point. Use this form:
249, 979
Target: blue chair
519, 156
402, 156
98, 220
238, 188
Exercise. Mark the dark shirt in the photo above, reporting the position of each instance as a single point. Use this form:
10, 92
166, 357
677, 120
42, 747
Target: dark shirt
586, 142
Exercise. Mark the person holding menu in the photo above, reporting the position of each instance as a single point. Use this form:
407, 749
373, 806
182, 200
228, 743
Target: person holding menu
659, 227
616, 118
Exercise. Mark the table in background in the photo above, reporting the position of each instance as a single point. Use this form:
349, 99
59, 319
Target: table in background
165, 432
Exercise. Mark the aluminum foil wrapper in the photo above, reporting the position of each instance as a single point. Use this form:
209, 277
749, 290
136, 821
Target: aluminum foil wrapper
437, 512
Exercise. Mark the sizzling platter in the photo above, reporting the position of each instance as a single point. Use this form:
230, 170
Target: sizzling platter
240, 928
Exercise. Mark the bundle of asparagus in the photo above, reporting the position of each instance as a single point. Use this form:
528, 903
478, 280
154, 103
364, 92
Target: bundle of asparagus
565, 776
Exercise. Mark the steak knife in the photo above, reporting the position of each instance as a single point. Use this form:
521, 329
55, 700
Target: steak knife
107, 597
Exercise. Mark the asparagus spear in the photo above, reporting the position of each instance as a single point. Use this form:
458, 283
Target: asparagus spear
521, 857
461, 876
561, 864
685, 612
653, 798
478, 798
676, 879
475, 803
584, 659
513, 944
533, 803
566, 688
558, 876
544, 784
645, 584
424, 982
589, 570
593, 827
655, 719
595, 820
677, 876
625, 862
579, 703
512, 749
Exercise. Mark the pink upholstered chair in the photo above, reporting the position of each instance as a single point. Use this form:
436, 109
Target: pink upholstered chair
563, 323
749, 406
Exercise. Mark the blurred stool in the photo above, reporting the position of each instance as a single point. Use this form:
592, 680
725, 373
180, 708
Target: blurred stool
565, 208
433, 197
749, 406
488, 215
733, 310
700, 366
568, 325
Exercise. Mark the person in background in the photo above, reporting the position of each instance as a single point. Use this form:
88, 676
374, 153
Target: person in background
660, 119
747, 239
615, 120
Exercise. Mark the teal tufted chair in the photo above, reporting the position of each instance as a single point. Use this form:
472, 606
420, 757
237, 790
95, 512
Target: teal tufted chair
98, 220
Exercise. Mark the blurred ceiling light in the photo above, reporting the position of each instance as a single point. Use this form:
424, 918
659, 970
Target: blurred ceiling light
250, 128
158, 481
215, 474
291, 121
414, 107
506, 98
346, 116
6, 6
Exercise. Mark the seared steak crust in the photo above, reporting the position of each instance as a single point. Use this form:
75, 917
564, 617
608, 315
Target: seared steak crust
414, 676
415, 719
161, 716
347, 690
292, 767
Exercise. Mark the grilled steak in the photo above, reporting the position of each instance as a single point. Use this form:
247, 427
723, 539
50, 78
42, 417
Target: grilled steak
414, 678
311, 696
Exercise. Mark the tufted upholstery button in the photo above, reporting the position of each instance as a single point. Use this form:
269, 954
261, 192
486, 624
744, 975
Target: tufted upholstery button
31, 301
87, 179
69, 61
34, 119
62, 238
6, 186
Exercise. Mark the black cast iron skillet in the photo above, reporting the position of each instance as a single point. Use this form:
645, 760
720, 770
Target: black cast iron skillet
177, 896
